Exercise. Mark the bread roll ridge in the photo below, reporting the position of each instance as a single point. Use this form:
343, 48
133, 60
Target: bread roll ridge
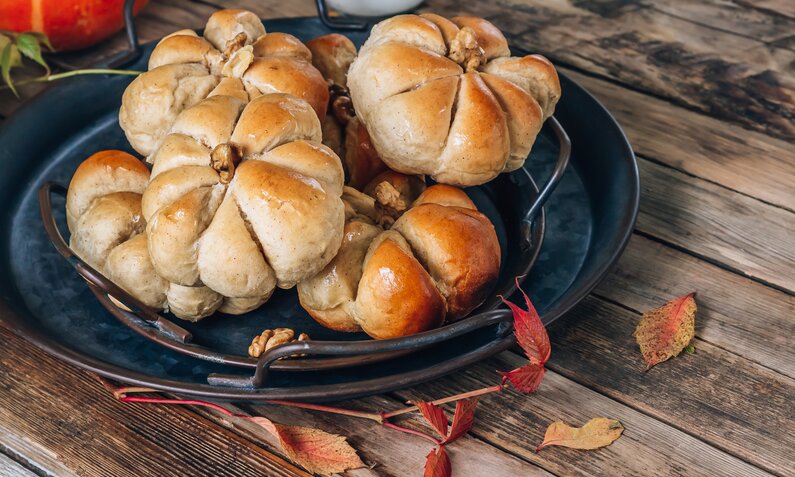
493, 120
437, 258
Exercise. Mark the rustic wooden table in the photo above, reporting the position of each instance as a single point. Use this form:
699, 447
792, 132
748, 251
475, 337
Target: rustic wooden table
706, 92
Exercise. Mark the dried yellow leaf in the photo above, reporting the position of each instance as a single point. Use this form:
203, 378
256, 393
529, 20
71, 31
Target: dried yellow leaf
596, 433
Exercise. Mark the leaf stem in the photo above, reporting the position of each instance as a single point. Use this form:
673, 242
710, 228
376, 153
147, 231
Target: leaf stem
412, 431
456, 397
67, 74
186, 402
335, 410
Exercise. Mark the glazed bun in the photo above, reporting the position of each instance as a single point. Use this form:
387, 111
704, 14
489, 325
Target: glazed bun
343, 132
445, 98
103, 212
243, 198
439, 260
184, 68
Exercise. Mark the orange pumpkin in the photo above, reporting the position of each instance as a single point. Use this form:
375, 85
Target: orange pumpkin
70, 24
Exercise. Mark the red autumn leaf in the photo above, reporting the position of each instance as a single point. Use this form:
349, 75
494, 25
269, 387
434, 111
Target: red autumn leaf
317, 451
435, 416
438, 464
664, 332
529, 330
463, 418
526, 378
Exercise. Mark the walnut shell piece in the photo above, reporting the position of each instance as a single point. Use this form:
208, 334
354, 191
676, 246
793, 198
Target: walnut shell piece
271, 338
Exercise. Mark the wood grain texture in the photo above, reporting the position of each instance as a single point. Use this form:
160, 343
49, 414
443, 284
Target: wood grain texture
700, 88
10, 468
735, 17
734, 313
516, 423
392, 453
749, 236
48, 407
728, 401
729, 76
749, 162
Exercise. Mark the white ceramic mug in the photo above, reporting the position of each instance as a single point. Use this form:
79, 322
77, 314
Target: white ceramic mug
372, 8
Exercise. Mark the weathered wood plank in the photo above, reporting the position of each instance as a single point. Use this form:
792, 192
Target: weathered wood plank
747, 235
270, 9
516, 423
10, 468
746, 161
734, 313
57, 410
729, 16
392, 453
783, 8
731, 77
728, 401
44, 461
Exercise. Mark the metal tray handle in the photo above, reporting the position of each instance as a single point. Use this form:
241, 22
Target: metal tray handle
503, 318
549, 186
95, 278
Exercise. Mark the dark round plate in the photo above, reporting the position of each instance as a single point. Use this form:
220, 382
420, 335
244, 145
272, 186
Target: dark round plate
589, 219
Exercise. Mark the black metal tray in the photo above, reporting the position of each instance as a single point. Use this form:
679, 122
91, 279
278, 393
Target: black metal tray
588, 221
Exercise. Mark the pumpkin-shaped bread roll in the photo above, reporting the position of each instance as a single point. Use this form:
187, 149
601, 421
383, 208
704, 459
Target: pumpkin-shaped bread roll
103, 212
243, 197
445, 98
439, 260
184, 68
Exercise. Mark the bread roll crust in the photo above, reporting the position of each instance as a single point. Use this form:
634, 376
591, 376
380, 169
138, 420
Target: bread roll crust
185, 68
440, 259
396, 296
103, 209
245, 199
446, 99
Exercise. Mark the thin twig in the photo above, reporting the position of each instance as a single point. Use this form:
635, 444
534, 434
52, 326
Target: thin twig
412, 431
335, 410
457, 397
186, 402
67, 74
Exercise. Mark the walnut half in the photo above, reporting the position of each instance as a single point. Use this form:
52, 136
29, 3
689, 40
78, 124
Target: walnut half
270, 338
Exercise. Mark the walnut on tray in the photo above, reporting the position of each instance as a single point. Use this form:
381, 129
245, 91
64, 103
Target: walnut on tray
270, 338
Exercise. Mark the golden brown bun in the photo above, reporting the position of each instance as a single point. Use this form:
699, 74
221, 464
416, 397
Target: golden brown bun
185, 68
332, 55
103, 210
440, 259
445, 98
331, 302
396, 296
361, 160
281, 44
243, 198
440, 236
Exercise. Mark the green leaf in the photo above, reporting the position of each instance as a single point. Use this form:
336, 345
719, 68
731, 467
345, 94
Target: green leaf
690, 349
6, 63
43, 39
16, 59
29, 46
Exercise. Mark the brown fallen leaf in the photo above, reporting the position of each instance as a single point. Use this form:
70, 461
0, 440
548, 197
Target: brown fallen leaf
317, 451
664, 332
596, 433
